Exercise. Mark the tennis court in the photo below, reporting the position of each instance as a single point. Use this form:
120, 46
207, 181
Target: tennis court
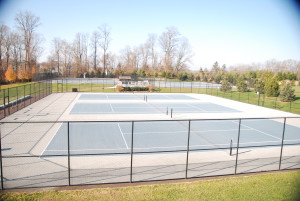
85, 138
160, 136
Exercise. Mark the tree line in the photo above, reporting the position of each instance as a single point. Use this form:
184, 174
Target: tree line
87, 53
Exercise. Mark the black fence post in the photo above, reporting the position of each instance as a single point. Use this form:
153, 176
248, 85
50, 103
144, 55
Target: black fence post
282, 140
237, 146
8, 101
131, 152
248, 96
188, 150
30, 92
17, 98
24, 95
230, 151
180, 86
1, 166
4, 96
91, 85
69, 168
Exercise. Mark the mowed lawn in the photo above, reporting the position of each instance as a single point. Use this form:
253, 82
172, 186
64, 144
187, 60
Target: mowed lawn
277, 186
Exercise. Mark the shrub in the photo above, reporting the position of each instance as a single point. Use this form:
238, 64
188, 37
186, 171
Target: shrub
225, 86
135, 88
241, 85
287, 93
272, 87
119, 88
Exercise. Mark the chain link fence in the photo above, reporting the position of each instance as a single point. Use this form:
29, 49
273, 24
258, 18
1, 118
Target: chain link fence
16, 98
166, 86
44, 154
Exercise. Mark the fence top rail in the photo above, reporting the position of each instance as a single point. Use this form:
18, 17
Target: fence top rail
150, 120
27, 84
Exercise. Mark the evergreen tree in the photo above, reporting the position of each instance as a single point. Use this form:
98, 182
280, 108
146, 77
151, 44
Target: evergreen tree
272, 87
225, 86
287, 93
241, 85
259, 86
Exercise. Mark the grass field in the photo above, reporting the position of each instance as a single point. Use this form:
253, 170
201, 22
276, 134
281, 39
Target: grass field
247, 97
278, 186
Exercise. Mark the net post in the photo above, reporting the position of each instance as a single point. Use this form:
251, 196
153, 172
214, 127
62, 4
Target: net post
237, 148
69, 167
282, 140
187, 151
131, 152
231, 147
171, 112
1, 165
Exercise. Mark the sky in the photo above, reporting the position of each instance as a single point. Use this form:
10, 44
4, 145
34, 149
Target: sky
231, 32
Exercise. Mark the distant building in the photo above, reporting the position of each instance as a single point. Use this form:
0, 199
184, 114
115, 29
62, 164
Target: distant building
126, 81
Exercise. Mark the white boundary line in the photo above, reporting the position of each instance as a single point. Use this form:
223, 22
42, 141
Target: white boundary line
110, 104
140, 133
59, 126
196, 107
262, 132
123, 136
170, 147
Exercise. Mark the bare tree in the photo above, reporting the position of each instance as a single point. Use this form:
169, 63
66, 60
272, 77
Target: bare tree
16, 49
168, 41
7, 47
27, 23
104, 44
151, 43
57, 49
80, 53
4, 31
183, 55
66, 57
95, 42
144, 53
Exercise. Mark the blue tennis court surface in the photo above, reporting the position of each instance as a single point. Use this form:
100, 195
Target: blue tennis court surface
147, 108
135, 97
152, 136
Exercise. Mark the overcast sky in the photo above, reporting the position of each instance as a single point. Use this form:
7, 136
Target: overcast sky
228, 31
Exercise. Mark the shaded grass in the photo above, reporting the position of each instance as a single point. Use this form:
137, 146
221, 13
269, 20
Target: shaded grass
278, 186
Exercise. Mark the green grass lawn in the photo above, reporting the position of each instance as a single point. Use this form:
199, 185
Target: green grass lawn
278, 186
247, 97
